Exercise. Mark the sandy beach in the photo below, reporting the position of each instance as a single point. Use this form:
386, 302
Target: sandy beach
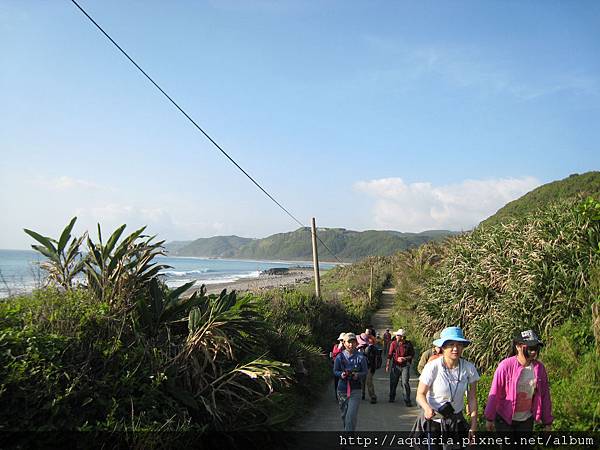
263, 282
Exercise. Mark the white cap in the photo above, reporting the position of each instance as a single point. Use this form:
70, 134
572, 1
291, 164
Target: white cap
400, 332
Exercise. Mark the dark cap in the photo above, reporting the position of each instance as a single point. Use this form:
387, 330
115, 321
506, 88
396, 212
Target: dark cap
527, 337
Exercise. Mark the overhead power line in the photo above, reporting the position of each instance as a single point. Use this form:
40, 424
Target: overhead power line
198, 126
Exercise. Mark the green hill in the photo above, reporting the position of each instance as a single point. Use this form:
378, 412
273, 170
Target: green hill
217, 246
574, 186
348, 245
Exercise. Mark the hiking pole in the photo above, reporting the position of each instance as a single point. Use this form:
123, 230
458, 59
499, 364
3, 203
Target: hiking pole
428, 422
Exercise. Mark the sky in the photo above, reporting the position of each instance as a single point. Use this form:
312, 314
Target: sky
387, 115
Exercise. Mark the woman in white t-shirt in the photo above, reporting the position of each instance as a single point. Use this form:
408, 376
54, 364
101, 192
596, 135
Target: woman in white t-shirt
442, 386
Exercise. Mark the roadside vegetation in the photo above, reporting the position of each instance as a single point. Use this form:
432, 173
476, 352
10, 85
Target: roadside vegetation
539, 271
106, 346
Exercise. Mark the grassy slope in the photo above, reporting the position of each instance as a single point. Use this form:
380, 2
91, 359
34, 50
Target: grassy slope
541, 270
574, 186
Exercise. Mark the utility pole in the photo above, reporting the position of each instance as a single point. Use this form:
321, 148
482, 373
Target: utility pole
316, 259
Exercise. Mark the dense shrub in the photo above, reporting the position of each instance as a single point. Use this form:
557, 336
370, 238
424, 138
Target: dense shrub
541, 271
67, 363
527, 273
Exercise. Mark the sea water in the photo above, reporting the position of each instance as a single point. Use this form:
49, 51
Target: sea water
20, 270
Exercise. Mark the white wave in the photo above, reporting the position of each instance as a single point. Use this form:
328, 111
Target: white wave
255, 274
183, 273
232, 278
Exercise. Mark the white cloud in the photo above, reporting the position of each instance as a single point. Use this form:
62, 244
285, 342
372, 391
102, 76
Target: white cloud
65, 183
423, 206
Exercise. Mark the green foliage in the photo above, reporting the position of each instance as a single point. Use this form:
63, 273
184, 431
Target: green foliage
313, 319
64, 258
67, 363
118, 272
348, 245
160, 306
529, 273
574, 372
128, 353
541, 271
350, 286
574, 187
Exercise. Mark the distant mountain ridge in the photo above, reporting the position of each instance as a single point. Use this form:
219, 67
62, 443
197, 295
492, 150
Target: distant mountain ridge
575, 185
348, 245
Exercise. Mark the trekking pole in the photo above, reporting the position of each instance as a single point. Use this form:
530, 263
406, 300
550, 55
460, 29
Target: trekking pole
428, 423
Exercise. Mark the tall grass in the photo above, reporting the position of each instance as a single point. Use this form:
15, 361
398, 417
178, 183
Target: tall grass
540, 271
527, 273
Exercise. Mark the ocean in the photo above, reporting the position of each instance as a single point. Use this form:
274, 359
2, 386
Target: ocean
20, 271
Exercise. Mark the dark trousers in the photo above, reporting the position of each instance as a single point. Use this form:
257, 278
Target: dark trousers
515, 426
396, 374
516, 430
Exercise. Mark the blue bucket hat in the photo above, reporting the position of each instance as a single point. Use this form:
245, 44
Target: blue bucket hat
451, 334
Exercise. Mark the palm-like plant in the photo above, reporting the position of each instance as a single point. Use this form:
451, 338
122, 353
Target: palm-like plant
118, 272
158, 306
64, 257
224, 331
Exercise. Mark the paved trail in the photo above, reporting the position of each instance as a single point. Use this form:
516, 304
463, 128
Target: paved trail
382, 416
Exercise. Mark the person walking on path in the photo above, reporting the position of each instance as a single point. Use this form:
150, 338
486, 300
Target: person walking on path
429, 355
399, 359
442, 387
519, 394
350, 366
387, 338
370, 352
337, 348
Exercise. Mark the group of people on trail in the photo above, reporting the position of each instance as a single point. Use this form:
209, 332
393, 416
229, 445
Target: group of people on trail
518, 397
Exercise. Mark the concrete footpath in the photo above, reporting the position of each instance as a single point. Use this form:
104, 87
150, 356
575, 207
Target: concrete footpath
381, 416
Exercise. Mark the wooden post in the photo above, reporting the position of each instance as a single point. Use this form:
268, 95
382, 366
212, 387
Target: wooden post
316, 259
371, 286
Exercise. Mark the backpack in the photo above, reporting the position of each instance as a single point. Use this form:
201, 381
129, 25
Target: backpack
374, 357
378, 358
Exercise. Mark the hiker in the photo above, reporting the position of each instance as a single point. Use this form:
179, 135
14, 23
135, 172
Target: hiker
362, 342
337, 348
442, 387
387, 338
519, 394
370, 331
349, 366
370, 352
429, 355
400, 356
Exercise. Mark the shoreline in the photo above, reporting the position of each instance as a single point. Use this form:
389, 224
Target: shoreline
300, 263
263, 282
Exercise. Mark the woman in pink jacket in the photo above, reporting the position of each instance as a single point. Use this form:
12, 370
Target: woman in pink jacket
520, 394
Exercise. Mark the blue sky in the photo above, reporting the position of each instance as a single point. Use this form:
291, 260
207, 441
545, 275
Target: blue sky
365, 115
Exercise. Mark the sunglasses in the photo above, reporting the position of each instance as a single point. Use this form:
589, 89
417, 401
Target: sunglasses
533, 348
452, 344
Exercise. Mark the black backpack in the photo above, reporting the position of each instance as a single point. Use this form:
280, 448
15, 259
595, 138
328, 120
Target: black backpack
378, 357
374, 356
